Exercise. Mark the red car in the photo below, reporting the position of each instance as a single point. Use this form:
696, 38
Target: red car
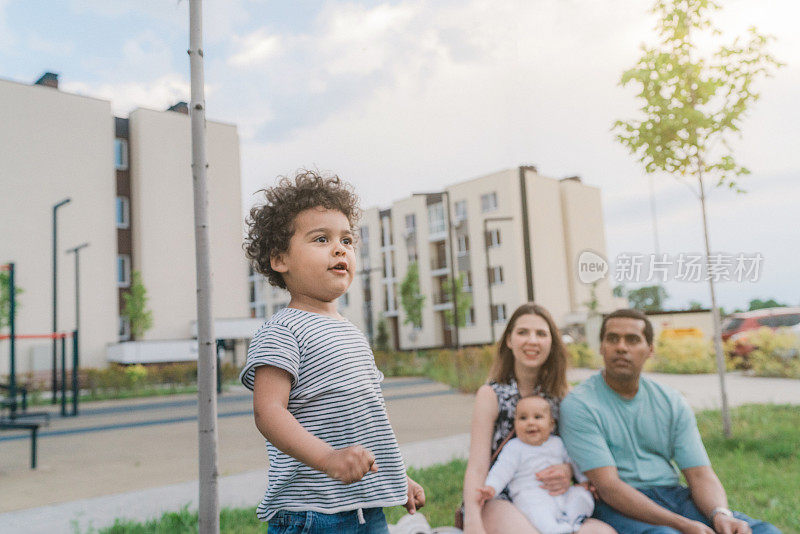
737, 323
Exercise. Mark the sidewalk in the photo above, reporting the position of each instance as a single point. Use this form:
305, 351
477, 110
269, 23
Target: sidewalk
106, 473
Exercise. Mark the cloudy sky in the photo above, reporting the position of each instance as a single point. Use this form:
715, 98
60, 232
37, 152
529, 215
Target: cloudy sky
407, 96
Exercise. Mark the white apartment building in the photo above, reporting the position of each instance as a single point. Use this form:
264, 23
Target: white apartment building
515, 235
129, 183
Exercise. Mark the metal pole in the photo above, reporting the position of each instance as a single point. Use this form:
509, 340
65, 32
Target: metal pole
63, 375
12, 310
55, 297
453, 283
75, 367
208, 522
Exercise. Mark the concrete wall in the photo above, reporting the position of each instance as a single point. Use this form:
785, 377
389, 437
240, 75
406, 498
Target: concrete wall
55, 145
701, 319
163, 220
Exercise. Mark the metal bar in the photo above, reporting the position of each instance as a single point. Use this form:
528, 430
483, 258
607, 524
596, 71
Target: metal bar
33, 446
63, 376
75, 367
12, 311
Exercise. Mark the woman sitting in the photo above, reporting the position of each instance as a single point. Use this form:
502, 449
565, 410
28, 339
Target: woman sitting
531, 360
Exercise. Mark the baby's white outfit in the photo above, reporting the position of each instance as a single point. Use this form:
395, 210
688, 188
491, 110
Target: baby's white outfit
516, 468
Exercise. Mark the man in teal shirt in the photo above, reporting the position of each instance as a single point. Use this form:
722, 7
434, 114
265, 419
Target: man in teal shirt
625, 431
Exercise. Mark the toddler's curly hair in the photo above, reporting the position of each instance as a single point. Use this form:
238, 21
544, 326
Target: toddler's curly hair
270, 226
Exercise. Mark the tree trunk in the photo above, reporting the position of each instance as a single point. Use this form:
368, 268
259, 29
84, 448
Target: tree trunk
208, 521
720, 356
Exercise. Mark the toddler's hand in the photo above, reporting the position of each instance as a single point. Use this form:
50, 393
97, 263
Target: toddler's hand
416, 496
350, 464
485, 493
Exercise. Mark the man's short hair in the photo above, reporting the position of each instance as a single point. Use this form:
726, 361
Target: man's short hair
629, 313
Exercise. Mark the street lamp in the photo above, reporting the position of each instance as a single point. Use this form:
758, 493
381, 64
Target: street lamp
55, 291
76, 251
489, 282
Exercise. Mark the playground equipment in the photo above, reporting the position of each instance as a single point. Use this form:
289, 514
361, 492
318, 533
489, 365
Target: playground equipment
13, 388
14, 414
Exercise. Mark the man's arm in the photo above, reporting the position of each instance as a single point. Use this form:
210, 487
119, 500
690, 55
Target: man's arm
270, 400
708, 494
627, 500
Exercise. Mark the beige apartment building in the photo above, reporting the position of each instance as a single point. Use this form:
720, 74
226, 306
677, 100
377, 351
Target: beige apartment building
515, 236
130, 188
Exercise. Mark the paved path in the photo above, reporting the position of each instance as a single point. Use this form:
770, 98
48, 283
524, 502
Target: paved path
137, 459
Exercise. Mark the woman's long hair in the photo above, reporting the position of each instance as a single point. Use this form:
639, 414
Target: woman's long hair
552, 377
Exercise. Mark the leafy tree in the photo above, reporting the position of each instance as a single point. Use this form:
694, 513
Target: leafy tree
463, 300
5, 299
695, 305
758, 304
135, 306
648, 298
410, 297
619, 291
382, 336
593, 304
690, 107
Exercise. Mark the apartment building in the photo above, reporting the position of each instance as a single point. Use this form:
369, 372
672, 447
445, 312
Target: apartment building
512, 236
130, 188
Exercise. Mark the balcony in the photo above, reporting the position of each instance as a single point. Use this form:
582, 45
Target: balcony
439, 266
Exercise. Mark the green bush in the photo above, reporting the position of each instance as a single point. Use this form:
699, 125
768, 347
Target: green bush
768, 353
465, 370
581, 355
686, 355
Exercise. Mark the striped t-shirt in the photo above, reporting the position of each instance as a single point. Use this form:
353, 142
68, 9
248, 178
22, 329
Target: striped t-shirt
336, 395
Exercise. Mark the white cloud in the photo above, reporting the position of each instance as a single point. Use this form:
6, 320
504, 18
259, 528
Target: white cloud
157, 94
254, 49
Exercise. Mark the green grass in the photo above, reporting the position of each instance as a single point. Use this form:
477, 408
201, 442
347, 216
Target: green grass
759, 467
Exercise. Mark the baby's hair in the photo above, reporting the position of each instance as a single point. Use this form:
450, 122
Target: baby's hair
270, 225
536, 396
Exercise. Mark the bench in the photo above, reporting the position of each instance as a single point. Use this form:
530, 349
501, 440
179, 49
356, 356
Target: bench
15, 416
8, 424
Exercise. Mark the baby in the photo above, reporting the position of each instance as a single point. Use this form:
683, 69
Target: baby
532, 450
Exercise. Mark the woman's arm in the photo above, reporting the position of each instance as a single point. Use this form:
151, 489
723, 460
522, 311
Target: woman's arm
480, 450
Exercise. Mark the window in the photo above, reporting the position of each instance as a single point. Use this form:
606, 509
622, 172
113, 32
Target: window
463, 245
499, 313
363, 235
121, 154
123, 212
412, 255
496, 275
467, 286
461, 210
493, 238
387, 238
436, 220
123, 270
345, 299
411, 224
470, 317
488, 202
124, 329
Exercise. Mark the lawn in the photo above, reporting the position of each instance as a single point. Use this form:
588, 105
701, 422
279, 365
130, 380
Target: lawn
759, 467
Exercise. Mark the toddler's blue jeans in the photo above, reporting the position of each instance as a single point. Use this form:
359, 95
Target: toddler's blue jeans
317, 523
677, 499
